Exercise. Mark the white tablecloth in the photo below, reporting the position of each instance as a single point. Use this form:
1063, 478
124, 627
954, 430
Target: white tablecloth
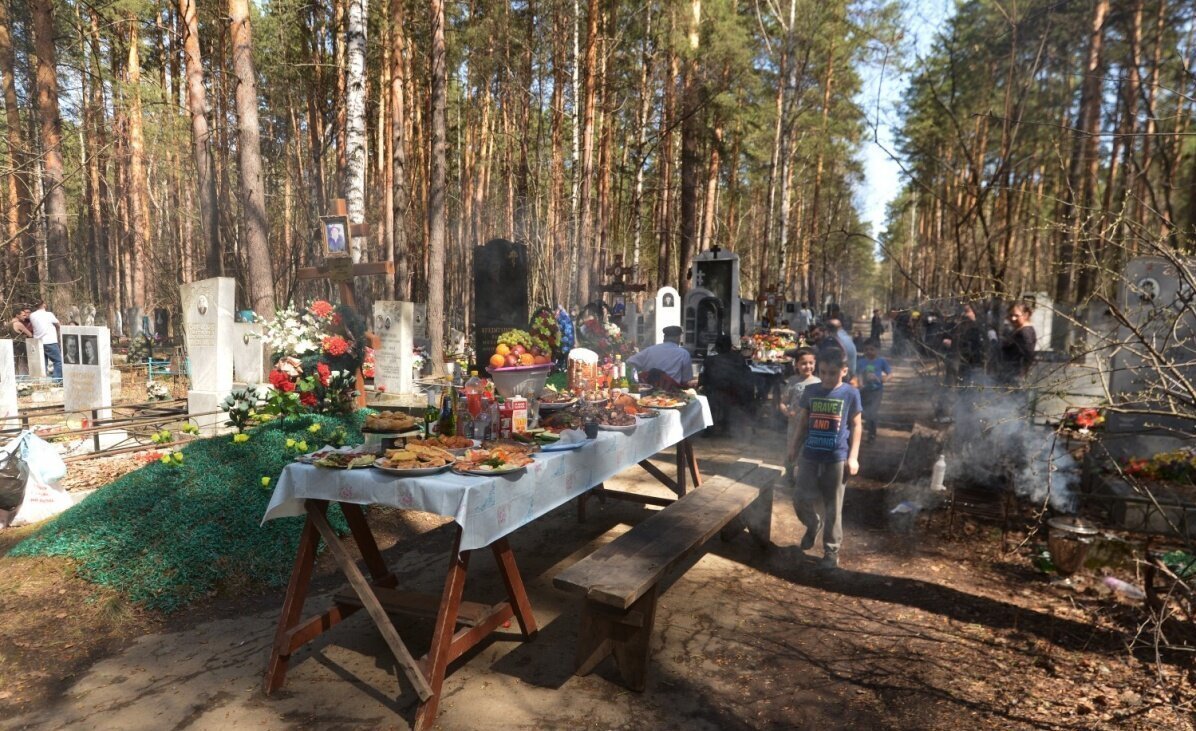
488, 508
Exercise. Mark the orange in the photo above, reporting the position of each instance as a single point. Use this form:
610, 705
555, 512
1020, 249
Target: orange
498, 361
542, 359
502, 349
527, 359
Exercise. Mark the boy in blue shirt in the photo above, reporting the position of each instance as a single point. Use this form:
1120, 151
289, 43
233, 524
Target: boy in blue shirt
827, 441
873, 372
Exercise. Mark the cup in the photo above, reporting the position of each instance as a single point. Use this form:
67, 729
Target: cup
591, 429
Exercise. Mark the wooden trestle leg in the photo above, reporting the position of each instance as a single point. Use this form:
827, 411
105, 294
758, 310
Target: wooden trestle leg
292, 603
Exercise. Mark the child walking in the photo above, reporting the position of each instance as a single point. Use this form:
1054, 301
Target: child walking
827, 448
803, 366
874, 371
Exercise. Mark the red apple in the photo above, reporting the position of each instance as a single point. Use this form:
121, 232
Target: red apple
518, 350
512, 359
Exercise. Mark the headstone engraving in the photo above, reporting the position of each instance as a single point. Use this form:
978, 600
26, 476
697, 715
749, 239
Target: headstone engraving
499, 293
8, 385
668, 311
394, 325
87, 370
36, 355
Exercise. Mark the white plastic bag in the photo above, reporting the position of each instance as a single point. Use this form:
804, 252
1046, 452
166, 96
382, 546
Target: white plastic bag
43, 497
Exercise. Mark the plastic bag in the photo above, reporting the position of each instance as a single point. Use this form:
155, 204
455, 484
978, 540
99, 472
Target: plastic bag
43, 498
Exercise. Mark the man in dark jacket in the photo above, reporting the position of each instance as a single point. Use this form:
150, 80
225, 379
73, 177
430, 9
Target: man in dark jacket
728, 382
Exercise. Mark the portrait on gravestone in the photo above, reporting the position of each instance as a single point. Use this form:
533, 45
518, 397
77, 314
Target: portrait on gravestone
668, 301
91, 350
336, 240
70, 349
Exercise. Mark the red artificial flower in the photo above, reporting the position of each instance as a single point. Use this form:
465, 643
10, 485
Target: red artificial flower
335, 345
336, 319
321, 309
324, 372
307, 398
281, 381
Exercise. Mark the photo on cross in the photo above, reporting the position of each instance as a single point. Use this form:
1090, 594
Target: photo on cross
335, 231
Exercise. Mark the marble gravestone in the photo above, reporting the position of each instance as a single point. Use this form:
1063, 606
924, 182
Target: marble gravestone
35, 354
499, 294
421, 322
668, 311
394, 326
631, 324
208, 307
8, 386
249, 353
87, 370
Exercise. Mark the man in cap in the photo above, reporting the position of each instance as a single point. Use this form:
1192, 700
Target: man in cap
668, 358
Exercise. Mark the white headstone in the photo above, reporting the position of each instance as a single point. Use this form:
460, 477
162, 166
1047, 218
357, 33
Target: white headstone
249, 353
8, 386
394, 324
668, 311
208, 307
87, 369
36, 355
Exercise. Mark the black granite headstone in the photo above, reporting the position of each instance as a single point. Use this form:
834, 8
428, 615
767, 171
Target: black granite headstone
499, 294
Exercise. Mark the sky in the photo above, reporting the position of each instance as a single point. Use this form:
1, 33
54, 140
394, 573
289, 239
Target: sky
880, 97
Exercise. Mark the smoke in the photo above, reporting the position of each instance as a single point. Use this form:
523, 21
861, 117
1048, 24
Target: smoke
994, 443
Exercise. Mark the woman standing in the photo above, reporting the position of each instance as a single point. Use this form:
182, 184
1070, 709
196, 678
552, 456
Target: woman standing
1017, 347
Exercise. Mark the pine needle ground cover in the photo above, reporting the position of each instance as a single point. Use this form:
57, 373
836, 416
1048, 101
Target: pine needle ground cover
168, 535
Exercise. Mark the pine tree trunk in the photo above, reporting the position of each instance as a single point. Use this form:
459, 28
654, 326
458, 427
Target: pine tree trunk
139, 183
260, 277
399, 207
17, 212
664, 227
57, 252
197, 104
355, 132
437, 215
690, 130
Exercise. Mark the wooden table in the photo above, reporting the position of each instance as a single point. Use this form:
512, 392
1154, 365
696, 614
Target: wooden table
459, 625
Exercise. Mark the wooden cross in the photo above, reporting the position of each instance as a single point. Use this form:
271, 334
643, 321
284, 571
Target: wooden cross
342, 270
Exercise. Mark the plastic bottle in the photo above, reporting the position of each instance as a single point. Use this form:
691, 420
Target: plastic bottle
1124, 588
938, 473
621, 373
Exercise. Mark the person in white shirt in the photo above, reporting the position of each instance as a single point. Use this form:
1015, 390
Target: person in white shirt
668, 357
47, 329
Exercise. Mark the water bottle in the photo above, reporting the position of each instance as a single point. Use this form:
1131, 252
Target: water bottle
938, 473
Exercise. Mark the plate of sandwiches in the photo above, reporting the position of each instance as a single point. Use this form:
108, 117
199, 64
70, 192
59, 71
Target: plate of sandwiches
414, 460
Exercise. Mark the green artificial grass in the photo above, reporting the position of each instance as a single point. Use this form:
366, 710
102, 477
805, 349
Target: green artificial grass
168, 535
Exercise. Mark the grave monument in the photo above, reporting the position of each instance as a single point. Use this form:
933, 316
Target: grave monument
668, 311
208, 307
8, 386
394, 325
499, 293
87, 370
249, 352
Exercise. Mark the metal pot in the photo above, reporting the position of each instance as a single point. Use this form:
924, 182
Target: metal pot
1069, 541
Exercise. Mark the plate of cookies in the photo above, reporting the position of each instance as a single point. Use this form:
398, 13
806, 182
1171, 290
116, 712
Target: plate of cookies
415, 460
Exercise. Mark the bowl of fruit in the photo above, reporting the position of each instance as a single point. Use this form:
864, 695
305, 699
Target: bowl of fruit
519, 366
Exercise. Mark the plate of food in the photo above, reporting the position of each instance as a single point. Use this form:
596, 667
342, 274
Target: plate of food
345, 460
560, 421
553, 400
455, 444
414, 460
390, 422
495, 461
663, 401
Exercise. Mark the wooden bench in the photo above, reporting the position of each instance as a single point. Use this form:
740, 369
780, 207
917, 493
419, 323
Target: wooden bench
620, 581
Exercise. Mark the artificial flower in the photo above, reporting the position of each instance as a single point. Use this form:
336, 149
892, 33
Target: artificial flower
335, 345
321, 309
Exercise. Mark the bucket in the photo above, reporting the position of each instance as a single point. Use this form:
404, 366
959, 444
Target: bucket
1069, 541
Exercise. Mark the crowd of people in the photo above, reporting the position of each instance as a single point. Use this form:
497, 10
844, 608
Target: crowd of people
832, 400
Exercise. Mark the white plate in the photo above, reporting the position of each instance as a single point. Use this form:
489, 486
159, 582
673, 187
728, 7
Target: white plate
545, 406
490, 473
412, 472
563, 446
649, 415
611, 427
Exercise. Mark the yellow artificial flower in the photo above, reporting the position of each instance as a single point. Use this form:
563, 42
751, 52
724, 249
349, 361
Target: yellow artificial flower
265, 482
164, 459
291, 444
314, 428
301, 446
177, 456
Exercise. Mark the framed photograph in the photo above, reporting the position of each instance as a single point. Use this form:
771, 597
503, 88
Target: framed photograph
70, 349
91, 349
336, 235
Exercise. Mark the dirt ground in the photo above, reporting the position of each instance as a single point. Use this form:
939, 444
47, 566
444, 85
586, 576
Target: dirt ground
921, 628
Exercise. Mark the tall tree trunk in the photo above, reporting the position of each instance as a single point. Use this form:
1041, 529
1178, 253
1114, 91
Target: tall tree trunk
815, 231
197, 103
260, 277
437, 215
691, 127
17, 189
355, 132
1078, 193
641, 139
712, 175
399, 207
138, 177
668, 118
57, 250
585, 211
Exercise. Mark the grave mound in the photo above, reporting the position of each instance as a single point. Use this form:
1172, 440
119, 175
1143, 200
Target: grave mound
169, 535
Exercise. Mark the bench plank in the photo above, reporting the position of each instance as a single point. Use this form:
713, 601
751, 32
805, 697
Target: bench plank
620, 572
